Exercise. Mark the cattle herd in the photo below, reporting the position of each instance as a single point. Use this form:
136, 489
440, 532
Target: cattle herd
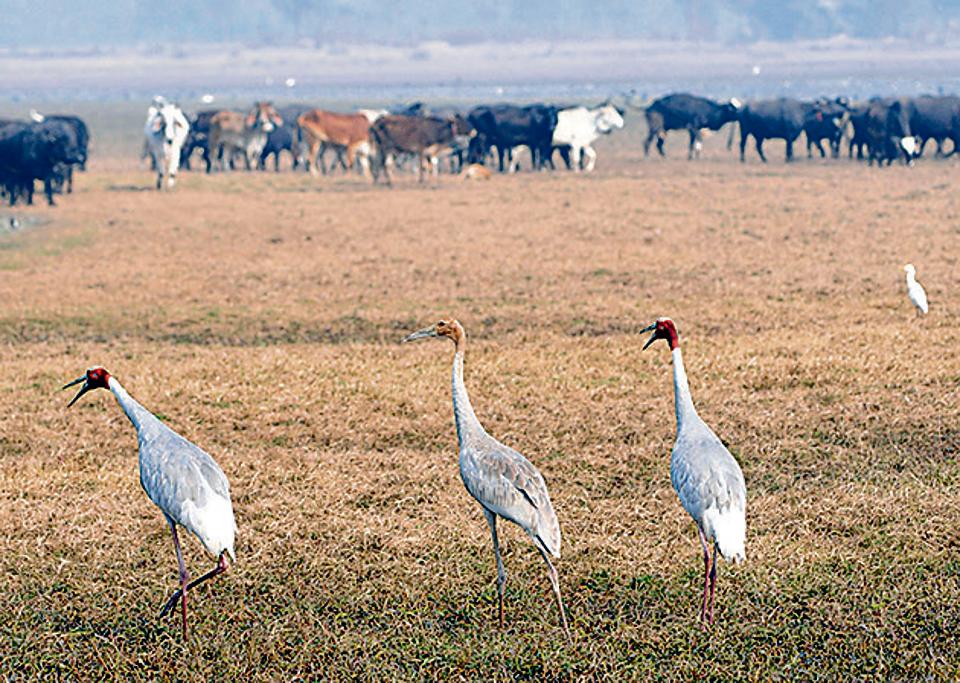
374, 141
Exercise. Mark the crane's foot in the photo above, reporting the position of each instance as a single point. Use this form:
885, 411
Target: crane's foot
221, 567
171, 604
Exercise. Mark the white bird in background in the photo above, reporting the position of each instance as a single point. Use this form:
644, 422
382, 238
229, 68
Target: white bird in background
915, 290
706, 477
504, 482
182, 480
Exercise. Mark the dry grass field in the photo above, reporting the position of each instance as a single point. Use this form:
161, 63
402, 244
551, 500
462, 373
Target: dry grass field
260, 315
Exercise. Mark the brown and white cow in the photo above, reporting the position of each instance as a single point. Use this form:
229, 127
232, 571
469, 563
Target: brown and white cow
233, 133
348, 134
425, 136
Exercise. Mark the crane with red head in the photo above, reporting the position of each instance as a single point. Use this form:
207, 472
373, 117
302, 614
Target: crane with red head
181, 479
706, 477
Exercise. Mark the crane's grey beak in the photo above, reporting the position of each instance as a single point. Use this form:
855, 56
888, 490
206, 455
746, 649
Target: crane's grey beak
650, 328
421, 334
84, 389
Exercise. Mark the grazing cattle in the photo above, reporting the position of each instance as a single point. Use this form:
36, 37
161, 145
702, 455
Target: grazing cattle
284, 138
424, 136
77, 129
888, 130
578, 127
165, 131
781, 119
682, 111
199, 138
35, 151
938, 119
825, 120
859, 137
349, 133
505, 126
243, 135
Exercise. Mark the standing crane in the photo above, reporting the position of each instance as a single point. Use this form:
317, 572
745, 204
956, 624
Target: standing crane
705, 476
504, 482
182, 480
918, 297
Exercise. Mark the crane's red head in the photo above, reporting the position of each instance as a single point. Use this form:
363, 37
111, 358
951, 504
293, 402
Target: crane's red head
663, 329
95, 378
449, 328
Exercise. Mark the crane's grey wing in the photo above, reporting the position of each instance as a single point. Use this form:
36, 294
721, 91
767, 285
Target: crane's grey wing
181, 472
705, 475
505, 482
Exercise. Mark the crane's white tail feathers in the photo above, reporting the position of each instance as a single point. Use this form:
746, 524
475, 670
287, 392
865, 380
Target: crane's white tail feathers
728, 529
213, 524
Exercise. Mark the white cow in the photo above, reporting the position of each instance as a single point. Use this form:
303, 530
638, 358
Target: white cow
373, 114
579, 127
165, 132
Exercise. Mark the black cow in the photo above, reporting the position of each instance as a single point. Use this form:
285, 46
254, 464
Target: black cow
681, 111
825, 120
82, 137
859, 139
284, 138
888, 130
37, 151
781, 119
938, 119
506, 126
198, 138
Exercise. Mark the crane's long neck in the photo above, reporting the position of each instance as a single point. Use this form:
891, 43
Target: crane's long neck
683, 402
136, 413
468, 425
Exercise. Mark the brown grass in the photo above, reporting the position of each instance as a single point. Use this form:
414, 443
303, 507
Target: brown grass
260, 315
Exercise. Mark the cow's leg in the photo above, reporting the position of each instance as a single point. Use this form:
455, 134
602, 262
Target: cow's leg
70, 178
823, 153
575, 153
693, 139
661, 138
48, 190
789, 150
743, 144
591, 155
759, 145
651, 134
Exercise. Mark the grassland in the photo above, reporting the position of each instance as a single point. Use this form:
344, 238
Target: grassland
259, 315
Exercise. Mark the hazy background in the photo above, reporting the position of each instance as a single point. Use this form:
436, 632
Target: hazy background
71, 24
368, 51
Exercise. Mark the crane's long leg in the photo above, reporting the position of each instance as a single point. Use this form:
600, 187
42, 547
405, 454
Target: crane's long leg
501, 573
713, 580
706, 574
555, 582
221, 567
184, 576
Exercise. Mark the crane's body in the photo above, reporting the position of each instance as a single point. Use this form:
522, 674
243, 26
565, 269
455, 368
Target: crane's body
706, 477
916, 292
504, 482
179, 478
498, 477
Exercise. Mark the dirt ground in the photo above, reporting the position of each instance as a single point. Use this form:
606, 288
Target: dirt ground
259, 314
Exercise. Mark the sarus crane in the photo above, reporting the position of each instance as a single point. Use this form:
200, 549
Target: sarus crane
182, 480
504, 482
705, 476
